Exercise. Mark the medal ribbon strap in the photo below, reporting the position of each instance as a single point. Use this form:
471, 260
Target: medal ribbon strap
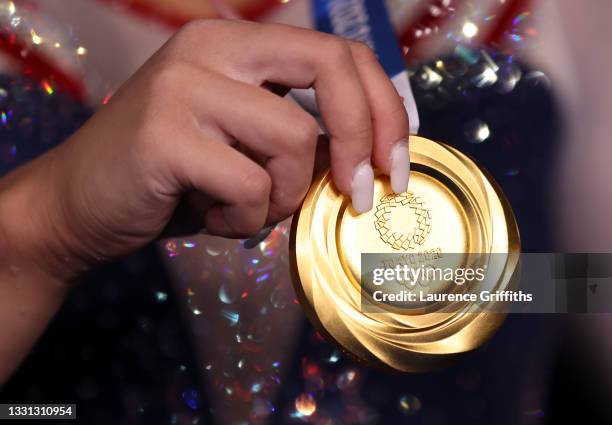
368, 21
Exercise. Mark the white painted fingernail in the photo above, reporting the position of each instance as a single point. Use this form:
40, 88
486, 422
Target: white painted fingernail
362, 187
400, 166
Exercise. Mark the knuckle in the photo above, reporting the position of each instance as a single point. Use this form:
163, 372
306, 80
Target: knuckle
337, 49
256, 186
248, 229
165, 93
399, 115
289, 193
361, 133
194, 29
284, 205
306, 131
200, 34
167, 74
362, 52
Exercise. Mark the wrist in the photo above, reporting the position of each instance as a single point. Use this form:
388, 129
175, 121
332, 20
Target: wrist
31, 239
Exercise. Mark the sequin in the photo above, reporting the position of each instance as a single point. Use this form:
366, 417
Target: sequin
261, 408
279, 298
537, 412
48, 88
161, 296
347, 381
485, 76
257, 386
228, 293
509, 75
476, 131
232, 317
409, 404
189, 244
513, 172
171, 248
469, 29
305, 404
428, 79
330, 354
191, 397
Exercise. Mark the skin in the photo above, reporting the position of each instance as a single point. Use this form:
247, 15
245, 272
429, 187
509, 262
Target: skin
195, 139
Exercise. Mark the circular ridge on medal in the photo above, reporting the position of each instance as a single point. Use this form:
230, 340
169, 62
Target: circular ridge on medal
452, 207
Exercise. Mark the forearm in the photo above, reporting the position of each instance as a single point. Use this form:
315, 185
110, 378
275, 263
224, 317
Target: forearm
28, 300
31, 289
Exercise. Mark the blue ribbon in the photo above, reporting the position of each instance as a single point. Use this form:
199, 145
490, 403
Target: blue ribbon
362, 20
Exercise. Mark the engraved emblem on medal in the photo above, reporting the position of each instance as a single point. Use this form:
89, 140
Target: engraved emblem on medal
396, 238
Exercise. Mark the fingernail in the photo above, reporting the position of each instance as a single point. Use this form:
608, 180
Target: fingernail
400, 166
362, 187
260, 237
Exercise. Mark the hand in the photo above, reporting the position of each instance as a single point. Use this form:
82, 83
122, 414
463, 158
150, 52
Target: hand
195, 132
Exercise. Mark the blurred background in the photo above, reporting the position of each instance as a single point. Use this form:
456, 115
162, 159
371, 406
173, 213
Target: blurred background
201, 330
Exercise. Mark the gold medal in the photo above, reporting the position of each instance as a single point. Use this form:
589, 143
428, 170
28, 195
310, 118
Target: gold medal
451, 206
